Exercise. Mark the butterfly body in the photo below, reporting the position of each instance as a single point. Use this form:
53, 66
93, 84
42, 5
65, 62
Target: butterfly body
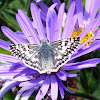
46, 57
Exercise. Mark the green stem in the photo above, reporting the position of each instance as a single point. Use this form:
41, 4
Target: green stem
80, 94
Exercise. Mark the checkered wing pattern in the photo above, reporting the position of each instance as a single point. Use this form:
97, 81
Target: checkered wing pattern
28, 53
63, 49
59, 54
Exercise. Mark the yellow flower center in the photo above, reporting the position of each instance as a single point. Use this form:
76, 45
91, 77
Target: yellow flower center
86, 37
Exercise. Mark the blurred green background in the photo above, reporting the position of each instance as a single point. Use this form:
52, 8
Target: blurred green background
86, 85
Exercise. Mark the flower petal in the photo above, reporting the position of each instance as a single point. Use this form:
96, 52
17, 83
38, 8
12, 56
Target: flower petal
62, 85
95, 5
50, 22
25, 88
37, 21
58, 5
61, 91
42, 5
8, 85
44, 88
68, 75
71, 26
95, 45
79, 9
58, 28
26, 95
15, 66
27, 27
80, 65
87, 9
87, 29
97, 24
25, 70
61, 75
18, 96
42, 15
4, 44
54, 87
8, 58
23, 78
32, 82
22, 37
10, 34
68, 19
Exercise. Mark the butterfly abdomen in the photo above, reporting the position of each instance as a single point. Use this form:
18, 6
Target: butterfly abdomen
46, 56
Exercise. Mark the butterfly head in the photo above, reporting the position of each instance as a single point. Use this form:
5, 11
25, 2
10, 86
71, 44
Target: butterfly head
43, 41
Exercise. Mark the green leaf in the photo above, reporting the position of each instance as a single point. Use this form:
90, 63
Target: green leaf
89, 79
9, 96
96, 54
32, 98
20, 4
83, 80
10, 15
4, 51
97, 92
5, 3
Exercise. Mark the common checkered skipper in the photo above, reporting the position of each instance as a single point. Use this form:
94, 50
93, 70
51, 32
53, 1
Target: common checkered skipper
46, 57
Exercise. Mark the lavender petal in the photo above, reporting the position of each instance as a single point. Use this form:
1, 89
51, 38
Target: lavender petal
51, 22
58, 5
54, 87
18, 96
72, 25
15, 66
68, 18
44, 88
37, 21
8, 58
25, 88
27, 27
98, 33
79, 8
87, 10
61, 75
58, 28
4, 44
32, 82
95, 4
42, 15
10, 34
26, 71
23, 78
26, 95
22, 37
87, 29
43, 6
61, 91
68, 75
95, 45
97, 24
80, 65
62, 85
82, 46
7, 86
28, 23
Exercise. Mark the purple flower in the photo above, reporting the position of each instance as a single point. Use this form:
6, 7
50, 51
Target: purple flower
86, 25
17, 74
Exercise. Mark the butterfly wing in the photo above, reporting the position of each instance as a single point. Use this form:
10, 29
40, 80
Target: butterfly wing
63, 49
28, 53
61, 53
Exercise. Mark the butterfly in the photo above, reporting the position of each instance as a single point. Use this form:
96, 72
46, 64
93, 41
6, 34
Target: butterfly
46, 57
